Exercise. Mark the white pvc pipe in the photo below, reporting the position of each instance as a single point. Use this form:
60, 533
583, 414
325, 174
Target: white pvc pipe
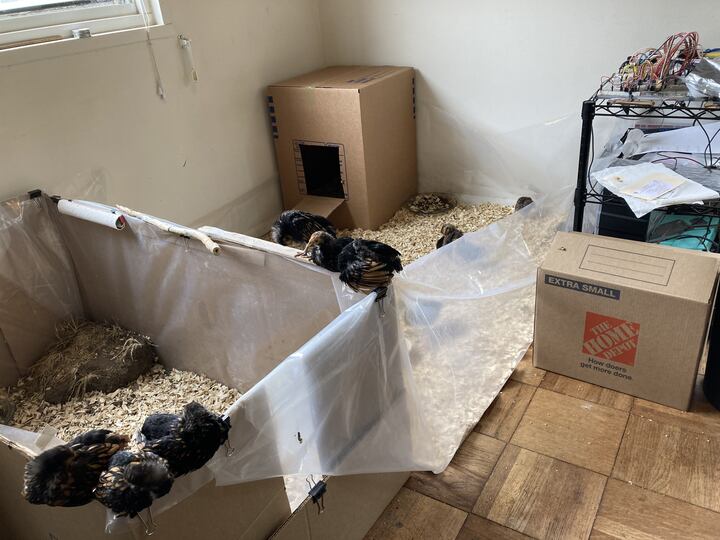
101, 216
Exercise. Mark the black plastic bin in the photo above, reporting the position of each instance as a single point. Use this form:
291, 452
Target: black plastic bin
618, 221
711, 382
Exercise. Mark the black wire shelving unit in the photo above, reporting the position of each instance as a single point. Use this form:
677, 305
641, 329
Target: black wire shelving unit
630, 106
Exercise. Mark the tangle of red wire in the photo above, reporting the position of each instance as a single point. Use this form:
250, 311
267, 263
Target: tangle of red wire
652, 68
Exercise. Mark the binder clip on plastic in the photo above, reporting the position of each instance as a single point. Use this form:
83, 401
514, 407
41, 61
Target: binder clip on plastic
317, 492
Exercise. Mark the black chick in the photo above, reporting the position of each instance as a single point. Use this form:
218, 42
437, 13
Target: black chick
323, 249
450, 233
134, 479
522, 202
368, 266
187, 442
66, 475
294, 227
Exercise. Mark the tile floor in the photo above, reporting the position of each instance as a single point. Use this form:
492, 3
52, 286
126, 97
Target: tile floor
557, 458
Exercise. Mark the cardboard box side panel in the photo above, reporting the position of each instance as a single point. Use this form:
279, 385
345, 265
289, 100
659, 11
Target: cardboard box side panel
352, 505
538, 277
648, 351
389, 133
257, 508
672, 271
320, 116
346, 77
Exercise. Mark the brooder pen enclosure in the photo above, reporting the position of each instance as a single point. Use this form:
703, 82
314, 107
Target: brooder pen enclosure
329, 382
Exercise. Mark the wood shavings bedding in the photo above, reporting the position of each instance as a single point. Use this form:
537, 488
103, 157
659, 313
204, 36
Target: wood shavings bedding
125, 409
415, 235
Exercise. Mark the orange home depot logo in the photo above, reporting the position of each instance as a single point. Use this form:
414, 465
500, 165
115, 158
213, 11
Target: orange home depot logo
609, 338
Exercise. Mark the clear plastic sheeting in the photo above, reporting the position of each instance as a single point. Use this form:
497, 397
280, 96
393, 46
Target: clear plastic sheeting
467, 314
378, 387
400, 392
462, 156
37, 284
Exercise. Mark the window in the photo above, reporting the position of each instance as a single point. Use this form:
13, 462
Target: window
34, 21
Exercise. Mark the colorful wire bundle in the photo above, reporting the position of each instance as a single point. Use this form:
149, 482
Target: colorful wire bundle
651, 69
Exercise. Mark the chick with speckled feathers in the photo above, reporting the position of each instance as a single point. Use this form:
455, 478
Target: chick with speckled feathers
450, 233
186, 441
134, 479
294, 228
364, 265
323, 249
67, 475
368, 266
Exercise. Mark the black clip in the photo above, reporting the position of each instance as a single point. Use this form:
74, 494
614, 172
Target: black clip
35, 193
317, 494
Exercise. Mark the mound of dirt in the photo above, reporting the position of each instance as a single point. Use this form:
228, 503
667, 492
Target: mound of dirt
90, 357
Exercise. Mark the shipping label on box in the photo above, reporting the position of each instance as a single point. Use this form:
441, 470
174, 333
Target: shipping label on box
624, 315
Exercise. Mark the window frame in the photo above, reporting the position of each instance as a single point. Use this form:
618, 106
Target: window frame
59, 23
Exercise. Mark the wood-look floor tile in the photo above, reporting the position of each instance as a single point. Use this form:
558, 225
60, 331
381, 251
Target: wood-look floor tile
632, 513
526, 373
573, 430
503, 416
411, 515
586, 391
702, 416
671, 460
541, 496
461, 483
477, 528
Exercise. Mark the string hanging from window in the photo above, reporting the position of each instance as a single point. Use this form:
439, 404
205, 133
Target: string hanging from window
160, 89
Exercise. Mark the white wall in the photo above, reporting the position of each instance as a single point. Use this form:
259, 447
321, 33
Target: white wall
204, 155
500, 84
499, 88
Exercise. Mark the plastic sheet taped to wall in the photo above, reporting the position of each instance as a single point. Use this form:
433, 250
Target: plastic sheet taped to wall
325, 390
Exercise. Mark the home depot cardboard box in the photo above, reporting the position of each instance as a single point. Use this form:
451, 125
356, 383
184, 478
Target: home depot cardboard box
625, 315
345, 142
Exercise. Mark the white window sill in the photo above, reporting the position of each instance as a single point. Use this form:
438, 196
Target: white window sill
67, 47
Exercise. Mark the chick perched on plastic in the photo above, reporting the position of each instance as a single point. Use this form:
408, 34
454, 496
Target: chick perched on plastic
134, 479
294, 227
323, 249
450, 233
368, 266
188, 441
522, 202
66, 475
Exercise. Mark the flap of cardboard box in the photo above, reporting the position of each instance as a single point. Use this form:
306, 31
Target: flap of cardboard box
351, 77
675, 272
320, 206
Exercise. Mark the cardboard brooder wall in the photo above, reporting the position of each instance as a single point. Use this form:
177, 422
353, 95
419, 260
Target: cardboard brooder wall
193, 304
625, 315
234, 317
364, 114
248, 511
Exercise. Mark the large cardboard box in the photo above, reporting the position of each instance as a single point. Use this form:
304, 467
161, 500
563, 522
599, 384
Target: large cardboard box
625, 315
345, 142
350, 507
